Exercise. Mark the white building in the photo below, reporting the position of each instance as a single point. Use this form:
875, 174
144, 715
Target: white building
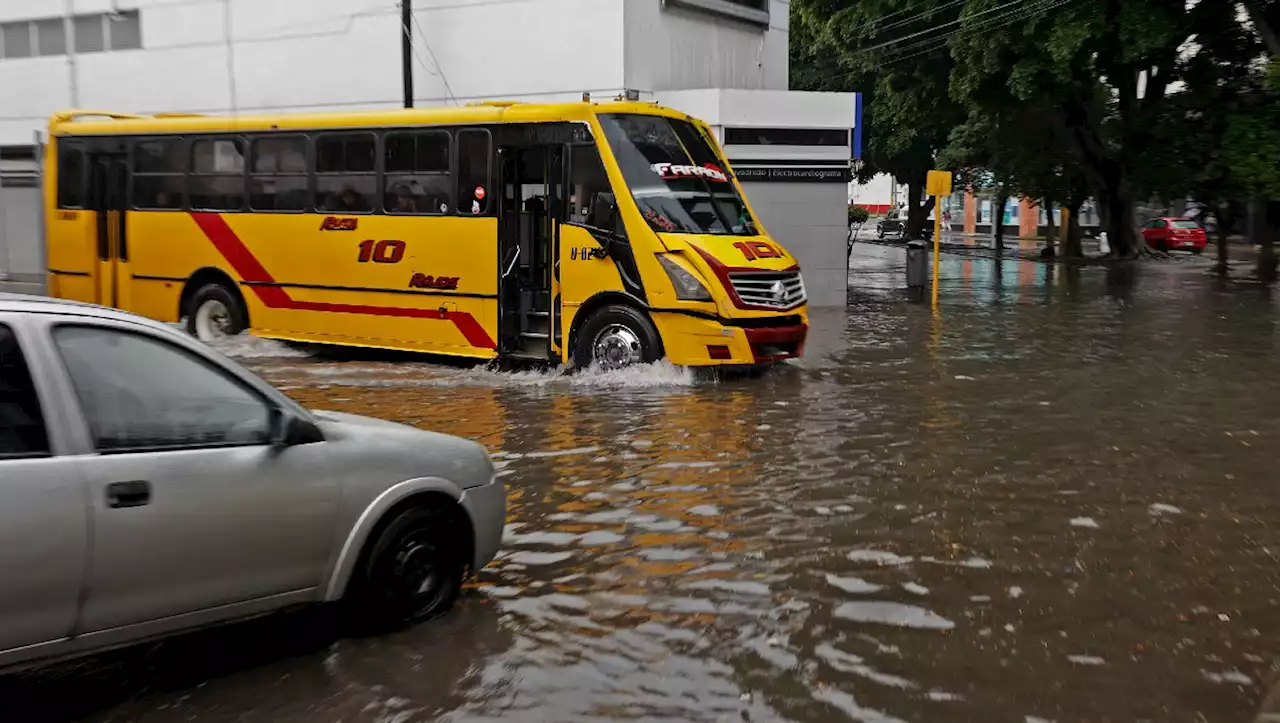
722, 60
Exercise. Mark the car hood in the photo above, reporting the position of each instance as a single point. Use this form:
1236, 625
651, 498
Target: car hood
342, 418
408, 451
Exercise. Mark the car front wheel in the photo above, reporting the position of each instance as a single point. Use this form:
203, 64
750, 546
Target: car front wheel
412, 572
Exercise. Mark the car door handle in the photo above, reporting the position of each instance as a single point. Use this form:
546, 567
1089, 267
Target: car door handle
128, 494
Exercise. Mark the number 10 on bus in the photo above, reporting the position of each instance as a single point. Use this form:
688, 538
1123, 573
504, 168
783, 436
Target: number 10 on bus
381, 252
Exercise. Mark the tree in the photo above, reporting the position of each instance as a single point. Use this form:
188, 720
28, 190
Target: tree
1100, 70
848, 45
990, 149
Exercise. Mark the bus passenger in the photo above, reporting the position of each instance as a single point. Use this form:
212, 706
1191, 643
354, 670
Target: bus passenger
348, 199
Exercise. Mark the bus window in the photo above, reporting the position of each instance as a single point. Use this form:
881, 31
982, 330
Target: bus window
159, 178
473, 172
71, 176
587, 181
217, 174
346, 177
416, 175
278, 174
675, 177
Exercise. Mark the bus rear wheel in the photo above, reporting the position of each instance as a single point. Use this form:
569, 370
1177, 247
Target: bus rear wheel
215, 313
616, 337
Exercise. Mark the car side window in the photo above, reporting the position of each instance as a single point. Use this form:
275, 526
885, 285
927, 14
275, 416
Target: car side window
22, 428
139, 393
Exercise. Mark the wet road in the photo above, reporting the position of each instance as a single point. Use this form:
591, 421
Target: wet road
1054, 501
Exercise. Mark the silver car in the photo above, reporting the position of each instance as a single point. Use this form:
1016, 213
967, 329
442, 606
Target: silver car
150, 485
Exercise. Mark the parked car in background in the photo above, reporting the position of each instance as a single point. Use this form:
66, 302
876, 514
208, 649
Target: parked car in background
150, 485
1169, 233
894, 223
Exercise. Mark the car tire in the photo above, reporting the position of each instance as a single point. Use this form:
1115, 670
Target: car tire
1197, 250
410, 572
615, 337
215, 312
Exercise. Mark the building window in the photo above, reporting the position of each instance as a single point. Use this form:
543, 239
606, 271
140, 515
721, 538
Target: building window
786, 137
752, 11
51, 37
89, 35
93, 34
16, 39
124, 30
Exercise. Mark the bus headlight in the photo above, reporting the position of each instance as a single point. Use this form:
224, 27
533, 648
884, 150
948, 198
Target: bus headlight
688, 287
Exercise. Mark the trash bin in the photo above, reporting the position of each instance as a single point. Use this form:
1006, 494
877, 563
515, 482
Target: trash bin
917, 270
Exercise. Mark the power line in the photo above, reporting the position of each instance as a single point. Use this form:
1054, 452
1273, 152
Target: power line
426, 44
912, 19
929, 45
957, 21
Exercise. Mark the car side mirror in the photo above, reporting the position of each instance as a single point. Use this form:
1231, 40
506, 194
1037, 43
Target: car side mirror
290, 430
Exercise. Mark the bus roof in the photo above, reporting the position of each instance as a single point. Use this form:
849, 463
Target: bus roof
98, 122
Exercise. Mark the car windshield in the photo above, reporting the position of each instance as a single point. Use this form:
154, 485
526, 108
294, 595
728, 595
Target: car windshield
675, 177
1183, 223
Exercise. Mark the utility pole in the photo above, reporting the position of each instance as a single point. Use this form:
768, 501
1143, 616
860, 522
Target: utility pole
406, 50
69, 30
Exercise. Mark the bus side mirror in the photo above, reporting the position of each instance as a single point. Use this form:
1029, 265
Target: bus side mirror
604, 212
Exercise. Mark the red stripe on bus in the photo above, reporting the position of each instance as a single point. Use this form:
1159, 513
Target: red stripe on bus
250, 269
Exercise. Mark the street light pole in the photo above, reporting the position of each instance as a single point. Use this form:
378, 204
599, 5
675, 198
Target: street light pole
406, 50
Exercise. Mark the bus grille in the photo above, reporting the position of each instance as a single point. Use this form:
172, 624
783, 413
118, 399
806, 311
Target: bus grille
774, 289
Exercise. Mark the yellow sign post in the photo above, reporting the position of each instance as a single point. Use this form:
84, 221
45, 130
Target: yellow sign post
937, 184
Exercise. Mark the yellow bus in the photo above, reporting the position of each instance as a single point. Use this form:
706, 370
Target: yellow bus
575, 233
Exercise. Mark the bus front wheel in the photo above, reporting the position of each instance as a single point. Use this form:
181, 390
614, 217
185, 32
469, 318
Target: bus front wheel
615, 337
215, 313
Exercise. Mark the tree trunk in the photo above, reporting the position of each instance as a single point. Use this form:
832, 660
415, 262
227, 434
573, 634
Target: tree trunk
1267, 261
1051, 233
1073, 239
915, 192
1002, 199
1222, 213
1117, 219
917, 212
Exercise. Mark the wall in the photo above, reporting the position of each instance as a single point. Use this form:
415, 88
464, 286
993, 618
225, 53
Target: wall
670, 48
876, 195
318, 54
810, 220
20, 253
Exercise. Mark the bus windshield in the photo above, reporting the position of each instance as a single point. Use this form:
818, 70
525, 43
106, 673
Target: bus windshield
675, 177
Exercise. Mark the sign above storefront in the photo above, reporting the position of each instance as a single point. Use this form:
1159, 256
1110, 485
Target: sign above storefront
793, 174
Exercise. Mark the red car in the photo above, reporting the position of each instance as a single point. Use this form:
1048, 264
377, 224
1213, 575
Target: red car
1174, 233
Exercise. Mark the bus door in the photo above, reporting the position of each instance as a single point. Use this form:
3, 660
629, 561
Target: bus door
108, 198
528, 283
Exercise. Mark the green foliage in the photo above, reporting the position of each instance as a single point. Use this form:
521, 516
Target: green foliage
858, 214
1114, 99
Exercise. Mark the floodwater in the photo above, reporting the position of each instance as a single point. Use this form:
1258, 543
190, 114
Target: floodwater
1054, 501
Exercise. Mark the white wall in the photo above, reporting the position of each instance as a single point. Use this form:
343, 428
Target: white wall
671, 48
876, 192
317, 54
